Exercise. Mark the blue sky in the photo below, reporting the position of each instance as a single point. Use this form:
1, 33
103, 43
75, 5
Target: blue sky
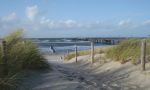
76, 18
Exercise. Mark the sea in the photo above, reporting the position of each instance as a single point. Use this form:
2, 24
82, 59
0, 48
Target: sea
61, 45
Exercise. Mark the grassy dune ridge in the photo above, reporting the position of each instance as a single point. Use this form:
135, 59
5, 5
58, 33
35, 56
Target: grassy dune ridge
22, 55
127, 50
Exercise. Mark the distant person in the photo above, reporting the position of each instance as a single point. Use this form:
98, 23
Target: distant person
52, 49
61, 58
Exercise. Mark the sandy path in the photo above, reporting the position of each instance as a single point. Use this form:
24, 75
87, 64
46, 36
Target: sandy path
60, 78
86, 76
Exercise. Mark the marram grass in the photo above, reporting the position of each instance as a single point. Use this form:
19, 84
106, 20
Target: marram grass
128, 50
22, 55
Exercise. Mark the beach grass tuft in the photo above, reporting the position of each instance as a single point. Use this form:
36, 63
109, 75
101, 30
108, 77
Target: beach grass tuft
128, 50
22, 55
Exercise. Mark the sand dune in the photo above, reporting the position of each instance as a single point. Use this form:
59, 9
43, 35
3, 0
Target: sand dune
102, 75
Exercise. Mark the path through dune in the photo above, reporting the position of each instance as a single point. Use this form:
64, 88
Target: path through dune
68, 75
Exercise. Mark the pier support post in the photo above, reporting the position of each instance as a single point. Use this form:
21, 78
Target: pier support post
143, 54
92, 52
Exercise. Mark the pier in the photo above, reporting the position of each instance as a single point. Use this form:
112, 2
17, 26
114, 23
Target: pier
70, 41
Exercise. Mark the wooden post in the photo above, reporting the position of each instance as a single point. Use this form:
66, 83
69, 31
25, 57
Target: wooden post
118, 42
4, 57
143, 54
92, 52
76, 53
113, 42
67, 52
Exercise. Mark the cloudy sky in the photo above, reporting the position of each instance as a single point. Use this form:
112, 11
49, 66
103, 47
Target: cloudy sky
76, 18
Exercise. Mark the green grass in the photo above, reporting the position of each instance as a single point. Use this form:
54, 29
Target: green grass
84, 52
128, 50
22, 55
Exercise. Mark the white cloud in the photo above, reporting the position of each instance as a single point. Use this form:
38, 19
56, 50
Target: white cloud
44, 20
9, 22
10, 17
31, 12
42, 24
73, 24
147, 22
126, 24
59, 24
70, 23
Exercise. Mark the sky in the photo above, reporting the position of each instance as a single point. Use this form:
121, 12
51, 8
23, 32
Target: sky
76, 18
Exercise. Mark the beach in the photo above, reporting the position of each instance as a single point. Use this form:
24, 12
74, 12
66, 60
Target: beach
103, 74
75, 45
69, 75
